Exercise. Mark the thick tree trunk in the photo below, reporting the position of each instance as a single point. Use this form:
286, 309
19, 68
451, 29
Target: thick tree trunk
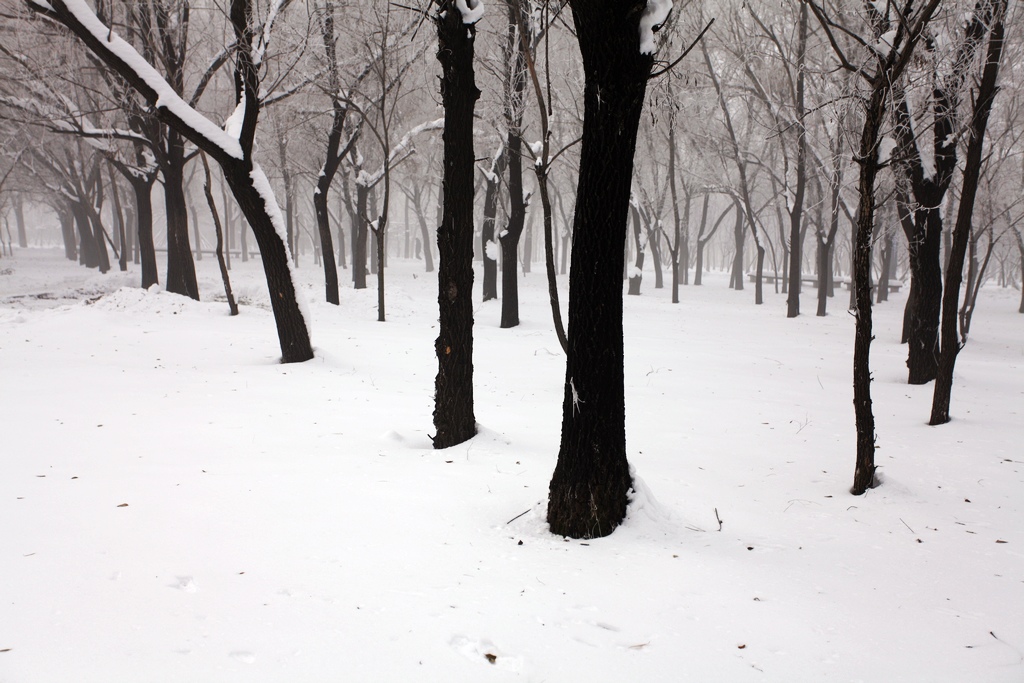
88, 252
510, 237
454, 419
589, 488
143, 190
925, 301
181, 269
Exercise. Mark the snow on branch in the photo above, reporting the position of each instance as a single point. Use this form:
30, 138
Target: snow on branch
121, 56
260, 48
398, 152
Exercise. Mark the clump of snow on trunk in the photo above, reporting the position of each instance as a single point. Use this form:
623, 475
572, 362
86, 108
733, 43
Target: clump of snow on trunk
472, 10
655, 14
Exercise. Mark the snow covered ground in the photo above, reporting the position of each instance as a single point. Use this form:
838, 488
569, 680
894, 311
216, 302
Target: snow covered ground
177, 506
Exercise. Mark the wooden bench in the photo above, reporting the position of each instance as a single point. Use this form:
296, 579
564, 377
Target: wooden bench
771, 278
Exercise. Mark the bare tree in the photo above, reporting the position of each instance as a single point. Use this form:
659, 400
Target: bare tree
591, 481
889, 47
990, 14
454, 419
232, 149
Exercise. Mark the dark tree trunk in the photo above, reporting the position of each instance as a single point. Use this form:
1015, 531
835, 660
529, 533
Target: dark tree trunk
515, 85
232, 304
323, 224
589, 488
510, 239
119, 221
951, 344
143, 190
88, 252
925, 301
864, 472
885, 267
454, 419
487, 242
359, 236
653, 240
181, 269
292, 331
796, 247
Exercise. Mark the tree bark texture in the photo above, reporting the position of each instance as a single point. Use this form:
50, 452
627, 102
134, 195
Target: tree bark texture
454, 419
589, 489
864, 471
181, 269
292, 330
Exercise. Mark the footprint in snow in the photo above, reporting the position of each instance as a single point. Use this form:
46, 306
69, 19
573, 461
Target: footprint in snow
185, 583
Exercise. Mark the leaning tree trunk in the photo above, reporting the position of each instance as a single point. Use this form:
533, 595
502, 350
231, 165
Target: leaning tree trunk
454, 419
292, 330
591, 481
248, 183
323, 224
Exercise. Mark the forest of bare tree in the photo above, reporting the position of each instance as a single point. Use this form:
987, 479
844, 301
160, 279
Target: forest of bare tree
836, 152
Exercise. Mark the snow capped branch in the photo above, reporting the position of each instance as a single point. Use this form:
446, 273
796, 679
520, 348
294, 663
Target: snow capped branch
260, 48
122, 57
398, 153
655, 14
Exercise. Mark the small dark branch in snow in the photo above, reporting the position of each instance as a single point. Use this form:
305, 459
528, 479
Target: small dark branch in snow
719, 519
516, 517
908, 526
